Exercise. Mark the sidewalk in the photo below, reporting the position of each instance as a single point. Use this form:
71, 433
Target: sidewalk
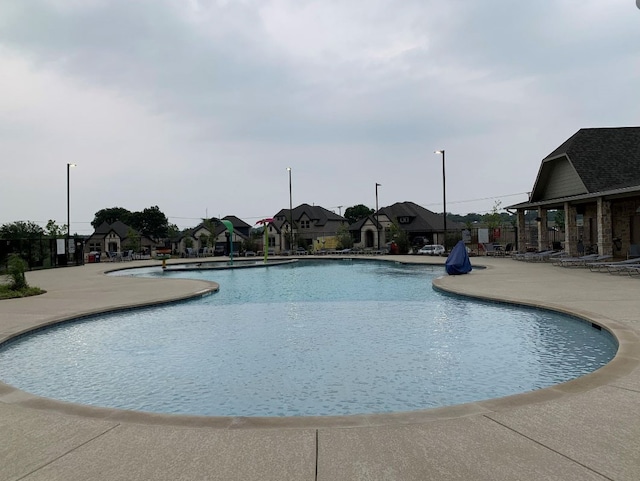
586, 429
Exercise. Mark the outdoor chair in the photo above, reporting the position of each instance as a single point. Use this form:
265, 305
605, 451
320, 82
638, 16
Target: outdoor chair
492, 249
581, 261
533, 256
632, 270
127, 255
114, 256
612, 267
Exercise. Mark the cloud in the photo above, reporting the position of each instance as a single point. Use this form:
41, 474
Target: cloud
203, 104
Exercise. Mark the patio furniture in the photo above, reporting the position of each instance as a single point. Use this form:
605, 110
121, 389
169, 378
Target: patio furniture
612, 267
581, 261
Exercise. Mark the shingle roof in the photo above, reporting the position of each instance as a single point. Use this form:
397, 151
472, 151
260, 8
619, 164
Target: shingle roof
120, 228
422, 220
314, 212
356, 226
236, 222
604, 158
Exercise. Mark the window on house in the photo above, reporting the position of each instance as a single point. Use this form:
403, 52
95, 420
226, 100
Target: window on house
404, 220
95, 247
304, 224
272, 241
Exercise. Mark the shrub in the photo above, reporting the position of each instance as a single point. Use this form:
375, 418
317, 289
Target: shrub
15, 271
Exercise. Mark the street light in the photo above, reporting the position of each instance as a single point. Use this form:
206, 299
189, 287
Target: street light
377, 216
67, 249
290, 210
444, 198
68, 203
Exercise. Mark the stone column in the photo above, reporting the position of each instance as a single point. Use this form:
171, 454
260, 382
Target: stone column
605, 229
570, 230
522, 232
543, 231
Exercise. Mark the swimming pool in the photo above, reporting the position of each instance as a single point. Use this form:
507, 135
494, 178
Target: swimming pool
310, 338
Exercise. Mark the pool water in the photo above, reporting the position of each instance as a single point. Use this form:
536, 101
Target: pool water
310, 338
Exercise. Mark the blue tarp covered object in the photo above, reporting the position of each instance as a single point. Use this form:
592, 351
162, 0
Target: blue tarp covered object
458, 261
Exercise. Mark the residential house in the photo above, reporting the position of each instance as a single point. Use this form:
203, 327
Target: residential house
117, 237
594, 178
365, 232
421, 225
201, 236
312, 224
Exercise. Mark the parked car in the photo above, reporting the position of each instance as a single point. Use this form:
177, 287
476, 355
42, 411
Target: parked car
432, 250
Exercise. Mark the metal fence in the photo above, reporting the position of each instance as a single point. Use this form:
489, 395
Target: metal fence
40, 252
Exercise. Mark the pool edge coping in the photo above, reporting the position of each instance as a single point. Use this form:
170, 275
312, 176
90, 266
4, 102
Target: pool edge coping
624, 362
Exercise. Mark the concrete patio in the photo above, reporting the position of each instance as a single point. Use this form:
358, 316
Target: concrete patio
586, 429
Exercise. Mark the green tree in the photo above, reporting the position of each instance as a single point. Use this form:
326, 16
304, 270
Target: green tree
21, 230
494, 218
558, 218
154, 223
400, 237
172, 231
111, 215
345, 241
133, 240
357, 212
53, 230
211, 225
251, 243
25, 237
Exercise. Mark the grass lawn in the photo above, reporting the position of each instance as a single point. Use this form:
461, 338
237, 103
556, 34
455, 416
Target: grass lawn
6, 293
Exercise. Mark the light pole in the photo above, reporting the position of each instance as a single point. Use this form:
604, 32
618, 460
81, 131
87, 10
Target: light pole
67, 249
377, 216
444, 198
290, 210
68, 203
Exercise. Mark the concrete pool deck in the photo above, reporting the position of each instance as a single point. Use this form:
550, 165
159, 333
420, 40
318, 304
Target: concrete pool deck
586, 429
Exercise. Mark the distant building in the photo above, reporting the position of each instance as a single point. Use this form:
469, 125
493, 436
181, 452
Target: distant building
117, 237
421, 225
311, 224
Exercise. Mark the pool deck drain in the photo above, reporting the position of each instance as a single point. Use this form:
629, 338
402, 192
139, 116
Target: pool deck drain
588, 428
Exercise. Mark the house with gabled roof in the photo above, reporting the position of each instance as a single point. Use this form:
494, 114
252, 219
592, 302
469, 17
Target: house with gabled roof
365, 232
594, 177
421, 225
311, 224
212, 234
117, 237
277, 235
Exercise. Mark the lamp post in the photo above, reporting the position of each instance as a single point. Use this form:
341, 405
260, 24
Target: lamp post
67, 249
444, 198
377, 216
68, 203
290, 210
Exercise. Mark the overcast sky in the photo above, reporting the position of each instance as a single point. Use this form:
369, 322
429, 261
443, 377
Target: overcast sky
199, 106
